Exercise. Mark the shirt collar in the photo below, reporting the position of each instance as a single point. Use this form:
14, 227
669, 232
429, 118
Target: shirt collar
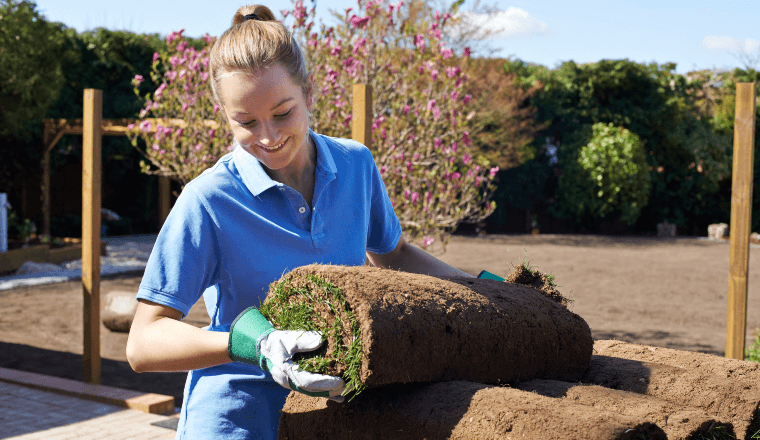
258, 181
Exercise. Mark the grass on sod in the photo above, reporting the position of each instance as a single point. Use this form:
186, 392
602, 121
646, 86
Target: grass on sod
293, 306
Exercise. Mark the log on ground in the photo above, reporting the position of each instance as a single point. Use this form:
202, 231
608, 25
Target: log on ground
418, 328
679, 422
728, 400
454, 410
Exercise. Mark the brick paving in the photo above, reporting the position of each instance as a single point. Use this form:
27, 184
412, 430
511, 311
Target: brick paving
28, 413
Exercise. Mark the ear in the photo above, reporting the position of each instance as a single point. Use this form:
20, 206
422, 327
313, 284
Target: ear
309, 92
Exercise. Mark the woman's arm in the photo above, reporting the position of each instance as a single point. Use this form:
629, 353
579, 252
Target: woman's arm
410, 258
159, 341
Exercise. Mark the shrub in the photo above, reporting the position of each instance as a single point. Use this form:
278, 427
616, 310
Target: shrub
608, 176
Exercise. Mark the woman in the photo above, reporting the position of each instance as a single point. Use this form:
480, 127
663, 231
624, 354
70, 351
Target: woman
283, 198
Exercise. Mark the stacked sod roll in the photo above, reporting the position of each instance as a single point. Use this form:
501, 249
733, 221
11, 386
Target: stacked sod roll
387, 327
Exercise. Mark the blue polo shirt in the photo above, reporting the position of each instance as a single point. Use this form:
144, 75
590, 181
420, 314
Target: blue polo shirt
232, 232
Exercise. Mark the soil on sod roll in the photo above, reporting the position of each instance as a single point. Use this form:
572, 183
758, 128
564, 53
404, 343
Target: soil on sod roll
417, 328
690, 360
678, 422
454, 410
728, 400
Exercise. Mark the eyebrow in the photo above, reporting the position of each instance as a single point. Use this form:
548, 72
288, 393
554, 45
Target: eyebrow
278, 104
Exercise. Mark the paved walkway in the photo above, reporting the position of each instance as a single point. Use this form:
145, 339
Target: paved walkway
28, 413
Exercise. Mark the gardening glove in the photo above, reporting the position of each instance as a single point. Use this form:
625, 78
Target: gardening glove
486, 275
254, 340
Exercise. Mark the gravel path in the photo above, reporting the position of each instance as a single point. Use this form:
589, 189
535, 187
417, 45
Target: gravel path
123, 255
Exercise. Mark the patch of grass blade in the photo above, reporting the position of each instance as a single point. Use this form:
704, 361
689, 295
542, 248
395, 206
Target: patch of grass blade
717, 433
752, 353
291, 307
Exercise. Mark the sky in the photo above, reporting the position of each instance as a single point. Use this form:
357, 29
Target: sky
694, 34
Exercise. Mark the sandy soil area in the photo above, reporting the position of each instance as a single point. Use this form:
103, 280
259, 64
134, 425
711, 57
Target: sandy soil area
662, 292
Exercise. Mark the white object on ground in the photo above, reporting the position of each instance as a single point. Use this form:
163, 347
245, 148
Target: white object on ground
31, 267
123, 256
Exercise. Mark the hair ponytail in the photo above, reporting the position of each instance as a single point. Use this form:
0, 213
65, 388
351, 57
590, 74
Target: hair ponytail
251, 45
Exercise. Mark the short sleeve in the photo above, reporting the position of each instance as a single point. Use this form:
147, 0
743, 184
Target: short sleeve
185, 258
384, 229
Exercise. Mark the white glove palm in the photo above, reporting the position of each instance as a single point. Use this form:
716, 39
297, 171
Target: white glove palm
279, 346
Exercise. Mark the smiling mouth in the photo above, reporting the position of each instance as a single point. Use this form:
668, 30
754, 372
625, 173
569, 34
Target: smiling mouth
274, 148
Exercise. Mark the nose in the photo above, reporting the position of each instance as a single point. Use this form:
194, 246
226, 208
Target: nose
268, 135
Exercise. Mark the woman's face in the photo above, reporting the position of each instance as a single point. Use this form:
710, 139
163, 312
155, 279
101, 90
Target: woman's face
268, 115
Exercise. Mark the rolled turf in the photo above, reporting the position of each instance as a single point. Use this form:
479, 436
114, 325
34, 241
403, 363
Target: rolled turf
728, 400
417, 328
690, 360
678, 422
454, 410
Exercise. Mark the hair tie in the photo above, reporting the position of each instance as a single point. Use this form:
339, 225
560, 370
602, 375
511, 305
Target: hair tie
252, 17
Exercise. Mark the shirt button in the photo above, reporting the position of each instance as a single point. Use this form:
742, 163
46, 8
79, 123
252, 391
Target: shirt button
302, 210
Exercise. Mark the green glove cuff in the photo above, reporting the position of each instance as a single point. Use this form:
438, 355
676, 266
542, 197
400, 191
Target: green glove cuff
486, 275
246, 332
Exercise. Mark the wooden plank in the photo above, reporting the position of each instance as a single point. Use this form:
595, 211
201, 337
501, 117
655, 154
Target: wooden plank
361, 126
91, 204
145, 402
741, 215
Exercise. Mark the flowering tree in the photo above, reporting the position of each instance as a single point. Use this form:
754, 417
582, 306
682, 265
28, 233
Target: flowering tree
420, 135
421, 141
183, 130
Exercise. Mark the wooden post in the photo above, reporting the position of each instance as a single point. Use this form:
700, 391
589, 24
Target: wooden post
361, 127
164, 199
741, 215
91, 181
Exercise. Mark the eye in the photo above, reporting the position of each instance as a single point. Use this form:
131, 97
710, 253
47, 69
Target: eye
285, 115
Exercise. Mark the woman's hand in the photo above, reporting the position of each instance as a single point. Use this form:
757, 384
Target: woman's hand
253, 340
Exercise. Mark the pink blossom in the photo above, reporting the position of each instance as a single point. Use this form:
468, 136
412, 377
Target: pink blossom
384, 136
216, 108
454, 95
493, 171
131, 127
182, 46
447, 53
434, 74
358, 22
431, 104
436, 112
208, 39
198, 147
156, 147
204, 76
456, 175
145, 126
415, 197
406, 110
419, 41
454, 146
172, 75
437, 16
211, 133
467, 98
453, 71
427, 241
138, 79
416, 114
162, 152
285, 13
347, 120
421, 70
407, 193
466, 158
466, 138
458, 83
437, 143
466, 52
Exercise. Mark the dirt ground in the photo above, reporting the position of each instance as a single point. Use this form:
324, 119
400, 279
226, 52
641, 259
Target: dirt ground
662, 292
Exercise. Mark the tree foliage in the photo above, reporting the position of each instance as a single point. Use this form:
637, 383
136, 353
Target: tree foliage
31, 76
605, 176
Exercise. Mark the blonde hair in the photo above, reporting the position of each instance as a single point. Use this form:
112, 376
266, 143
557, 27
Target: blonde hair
252, 45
